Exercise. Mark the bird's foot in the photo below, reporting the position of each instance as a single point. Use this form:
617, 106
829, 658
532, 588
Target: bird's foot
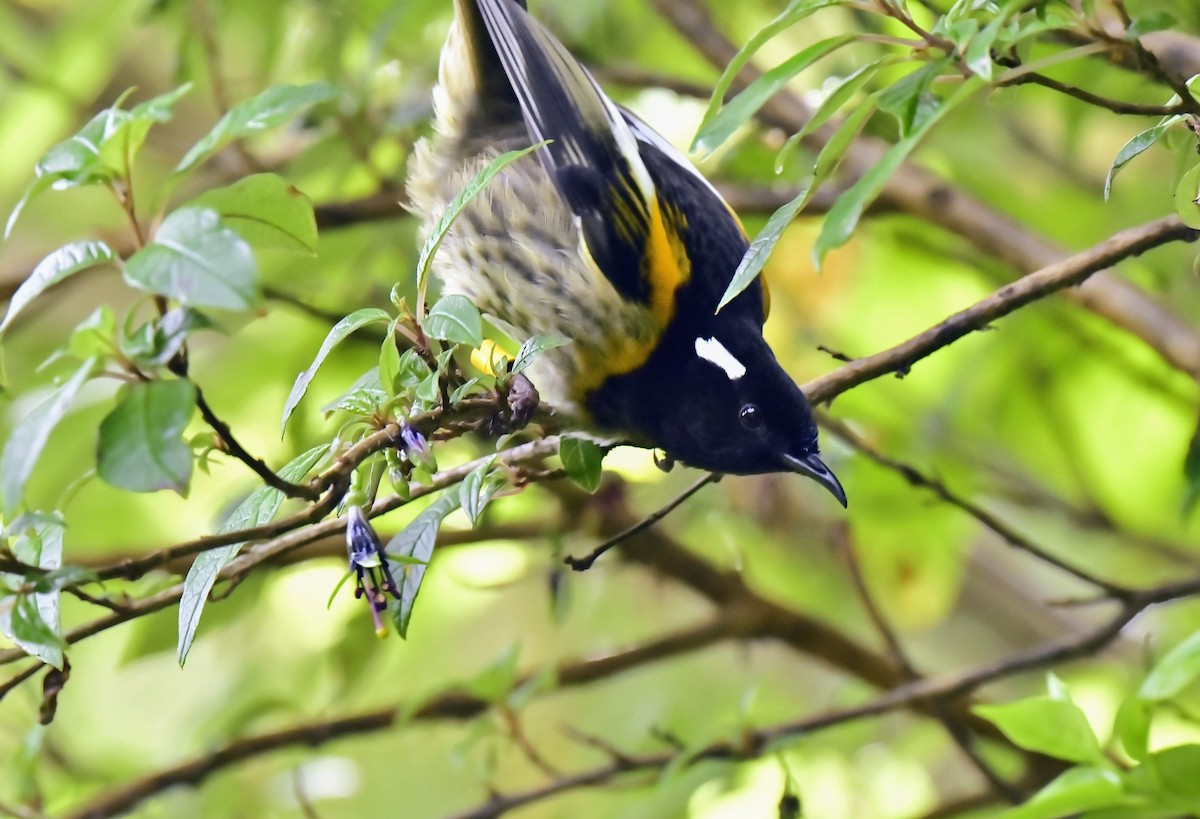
519, 401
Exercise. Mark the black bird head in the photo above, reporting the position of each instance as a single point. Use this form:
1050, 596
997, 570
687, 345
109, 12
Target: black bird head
719, 400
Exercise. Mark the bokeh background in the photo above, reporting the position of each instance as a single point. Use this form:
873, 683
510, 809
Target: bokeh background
1066, 427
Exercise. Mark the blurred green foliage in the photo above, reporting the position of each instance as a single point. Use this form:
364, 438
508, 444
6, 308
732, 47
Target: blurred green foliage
1062, 424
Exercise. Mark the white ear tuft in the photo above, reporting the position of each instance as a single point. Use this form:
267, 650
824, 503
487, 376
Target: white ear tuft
714, 352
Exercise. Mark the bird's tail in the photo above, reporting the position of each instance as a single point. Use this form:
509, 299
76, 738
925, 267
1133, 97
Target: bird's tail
478, 50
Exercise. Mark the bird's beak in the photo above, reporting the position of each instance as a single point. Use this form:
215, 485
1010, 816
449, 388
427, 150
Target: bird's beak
815, 468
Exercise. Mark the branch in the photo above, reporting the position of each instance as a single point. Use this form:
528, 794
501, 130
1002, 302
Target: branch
756, 614
292, 540
10, 684
581, 564
1116, 106
742, 614
991, 522
335, 546
958, 732
257, 465
195, 771
456, 705
1068, 272
945, 690
331, 482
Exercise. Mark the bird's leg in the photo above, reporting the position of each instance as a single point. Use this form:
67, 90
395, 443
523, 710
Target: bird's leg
519, 402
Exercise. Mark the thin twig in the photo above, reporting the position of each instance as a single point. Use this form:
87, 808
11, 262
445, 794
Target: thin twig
581, 564
994, 524
1116, 106
945, 689
1069, 272
958, 732
257, 465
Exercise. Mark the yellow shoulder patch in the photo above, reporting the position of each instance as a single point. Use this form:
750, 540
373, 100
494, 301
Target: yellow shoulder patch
665, 265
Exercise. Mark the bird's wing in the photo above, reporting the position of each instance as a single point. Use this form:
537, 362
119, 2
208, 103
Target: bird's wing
712, 230
593, 158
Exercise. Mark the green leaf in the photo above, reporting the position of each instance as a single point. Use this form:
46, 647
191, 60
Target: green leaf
389, 363
720, 125
427, 392
38, 186
61, 264
826, 163
831, 155
66, 576
1051, 18
364, 481
364, 397
272, 107
843, 217
77, 161
542, 681
416, 541
838, 96
978, 54
100, 151
478, 489
463, 390
903, 98
1177, 771
532, 348
198, 261
156, 342
28, 439
1174, 672
1056, 688
1132, 727
583, 461
94, 335
162, 107
413, 370
1045, 725
1154, 20
352, 322
38, 541
125, 142
1073, 792
460, 201
1187, 198
764, 243
257, 510
29, 629
1136, 146
1191, 473
455, 319
266, 211
495, 682
141, 445
796, 11
959, 31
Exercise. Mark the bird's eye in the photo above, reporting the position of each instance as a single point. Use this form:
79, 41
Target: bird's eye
751, 417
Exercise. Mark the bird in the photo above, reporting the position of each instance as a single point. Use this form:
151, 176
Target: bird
605, 235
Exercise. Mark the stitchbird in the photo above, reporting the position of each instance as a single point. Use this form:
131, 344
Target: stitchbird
605, 235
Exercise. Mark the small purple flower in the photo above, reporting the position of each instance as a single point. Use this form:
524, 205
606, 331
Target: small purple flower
415, 446
369, 563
